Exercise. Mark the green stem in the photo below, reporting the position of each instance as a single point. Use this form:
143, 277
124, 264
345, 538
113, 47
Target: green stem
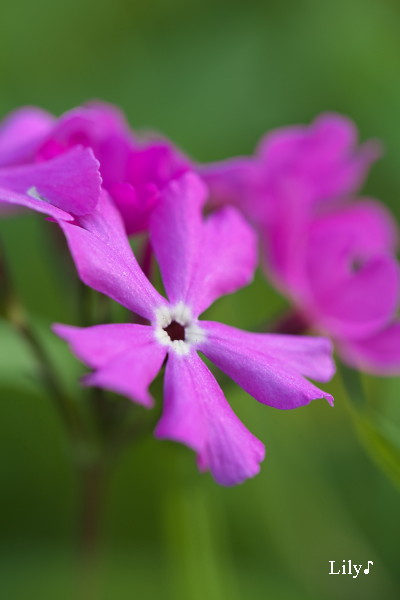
93, 479
14, 312
64, 405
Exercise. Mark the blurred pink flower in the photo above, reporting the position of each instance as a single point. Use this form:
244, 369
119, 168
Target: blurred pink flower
296, 173
132, 171
200, 260
347, 284
333, 257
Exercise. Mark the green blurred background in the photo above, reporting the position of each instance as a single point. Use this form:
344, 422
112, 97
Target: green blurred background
213, 76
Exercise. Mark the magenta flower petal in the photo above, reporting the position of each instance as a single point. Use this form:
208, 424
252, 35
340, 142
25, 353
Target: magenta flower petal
150, 167
227, 261
135, 210
20, 134
200, 260
105, 262
125, 356
309, 356
231, 182
323, 156
301, 164
99, 126
270, 368
133, 173
364, 302
333, 133
176, 231
378, 354
157, 162
70, 182
356, 232
351, 276
9, 200
106, 223
197, 414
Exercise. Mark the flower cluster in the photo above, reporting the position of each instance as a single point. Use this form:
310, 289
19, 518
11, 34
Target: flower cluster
330, 253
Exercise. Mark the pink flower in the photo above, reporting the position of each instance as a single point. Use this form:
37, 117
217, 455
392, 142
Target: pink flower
30, 135
349, 284
200, 260
44, 164
295, 173
133, 172
333, 257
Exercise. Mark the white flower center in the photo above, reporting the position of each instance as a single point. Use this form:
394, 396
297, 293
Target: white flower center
175, 326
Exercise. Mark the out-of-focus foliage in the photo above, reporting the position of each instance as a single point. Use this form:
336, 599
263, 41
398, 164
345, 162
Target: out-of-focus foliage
214, 76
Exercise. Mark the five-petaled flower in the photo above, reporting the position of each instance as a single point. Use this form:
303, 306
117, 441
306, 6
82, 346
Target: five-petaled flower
200, 259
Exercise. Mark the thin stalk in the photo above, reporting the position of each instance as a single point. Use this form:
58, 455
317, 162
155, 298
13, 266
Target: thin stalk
64, 405
93, 481
15, 314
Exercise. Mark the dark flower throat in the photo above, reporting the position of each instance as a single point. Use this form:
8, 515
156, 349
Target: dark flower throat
176, 331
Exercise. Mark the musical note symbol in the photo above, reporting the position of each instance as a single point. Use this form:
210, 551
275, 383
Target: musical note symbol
366, 571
